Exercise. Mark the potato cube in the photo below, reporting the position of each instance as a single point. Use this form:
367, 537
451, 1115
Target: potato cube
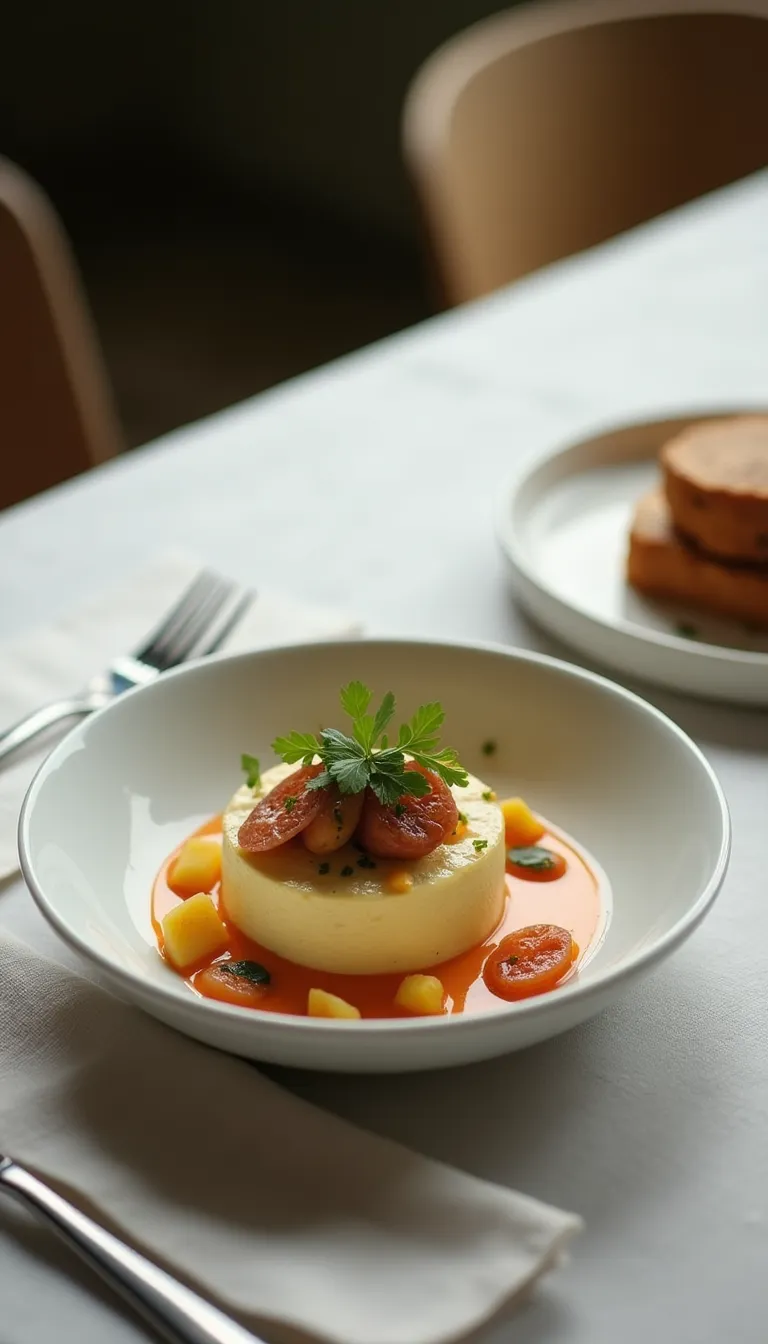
520, 826
322, 1004
421, 994
198, 867
193, 932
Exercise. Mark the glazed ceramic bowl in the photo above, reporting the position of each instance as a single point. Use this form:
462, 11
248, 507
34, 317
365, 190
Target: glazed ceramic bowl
116, 796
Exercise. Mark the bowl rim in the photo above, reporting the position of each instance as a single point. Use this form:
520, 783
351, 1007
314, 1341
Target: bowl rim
535, 1007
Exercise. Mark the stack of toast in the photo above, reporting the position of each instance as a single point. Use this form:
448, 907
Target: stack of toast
702, 537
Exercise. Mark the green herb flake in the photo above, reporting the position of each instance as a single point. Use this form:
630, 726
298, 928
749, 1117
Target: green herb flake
250, 764
324, 869
290, 803
479, 845
489, 747
399, 810
365, 861
347, 870
489, 796
252, 971
510, 961
463, 819
533, 857
686, 631
365, 759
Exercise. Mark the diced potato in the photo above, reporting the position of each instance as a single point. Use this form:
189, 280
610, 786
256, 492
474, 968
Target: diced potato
198, 867
322, 1004
399, 882
193, 932
520, 826
421, 994
334, 824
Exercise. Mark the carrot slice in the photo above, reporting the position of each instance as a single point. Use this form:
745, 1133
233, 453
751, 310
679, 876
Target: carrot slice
243, 986
284, 812
535, 864
412, 827
530, 961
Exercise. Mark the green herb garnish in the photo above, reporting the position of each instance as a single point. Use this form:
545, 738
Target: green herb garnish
510, 961
686, 631
488, 795
347, 871
463, 819
324, 868
252, 971
532, 856
478, 845
290, 803
250, 764
488, 747
362, 760
365, 861
399, 809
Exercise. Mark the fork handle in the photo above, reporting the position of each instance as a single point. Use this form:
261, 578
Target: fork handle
28, 728
180, 1316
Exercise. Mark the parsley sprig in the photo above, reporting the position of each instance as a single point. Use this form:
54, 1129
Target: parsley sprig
366, 758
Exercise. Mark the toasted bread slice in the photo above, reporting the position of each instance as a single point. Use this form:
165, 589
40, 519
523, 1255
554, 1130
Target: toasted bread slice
716, 481
662, 565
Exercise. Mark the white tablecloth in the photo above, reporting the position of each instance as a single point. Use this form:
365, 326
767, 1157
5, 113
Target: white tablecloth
372, 485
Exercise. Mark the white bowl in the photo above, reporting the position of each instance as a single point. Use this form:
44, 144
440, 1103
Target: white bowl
126, 786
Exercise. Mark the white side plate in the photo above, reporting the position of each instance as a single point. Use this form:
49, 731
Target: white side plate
563, 528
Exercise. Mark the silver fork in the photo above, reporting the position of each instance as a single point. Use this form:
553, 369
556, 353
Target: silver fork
173, 1309
197, 625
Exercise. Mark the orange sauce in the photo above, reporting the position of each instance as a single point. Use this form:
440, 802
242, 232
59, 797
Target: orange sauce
573, 902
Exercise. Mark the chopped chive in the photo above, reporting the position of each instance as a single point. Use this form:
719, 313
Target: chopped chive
488, 795
686, 631
248, 970
488, 748
478, 845
365, 861
347, 871
324, 868
532, 856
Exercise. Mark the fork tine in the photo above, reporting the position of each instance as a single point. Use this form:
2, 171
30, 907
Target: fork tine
233, 612
174, 620
179, 646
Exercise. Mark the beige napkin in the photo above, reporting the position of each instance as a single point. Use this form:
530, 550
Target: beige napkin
44, 664
279, 1211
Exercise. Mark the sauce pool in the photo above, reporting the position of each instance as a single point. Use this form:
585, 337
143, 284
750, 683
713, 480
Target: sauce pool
573, 901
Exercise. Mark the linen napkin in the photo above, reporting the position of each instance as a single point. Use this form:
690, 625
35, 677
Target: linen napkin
282, 1213
47, 663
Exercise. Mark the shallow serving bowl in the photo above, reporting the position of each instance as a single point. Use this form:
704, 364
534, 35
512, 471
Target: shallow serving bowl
126, 786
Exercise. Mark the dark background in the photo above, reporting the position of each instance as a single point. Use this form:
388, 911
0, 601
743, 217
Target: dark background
229, 174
